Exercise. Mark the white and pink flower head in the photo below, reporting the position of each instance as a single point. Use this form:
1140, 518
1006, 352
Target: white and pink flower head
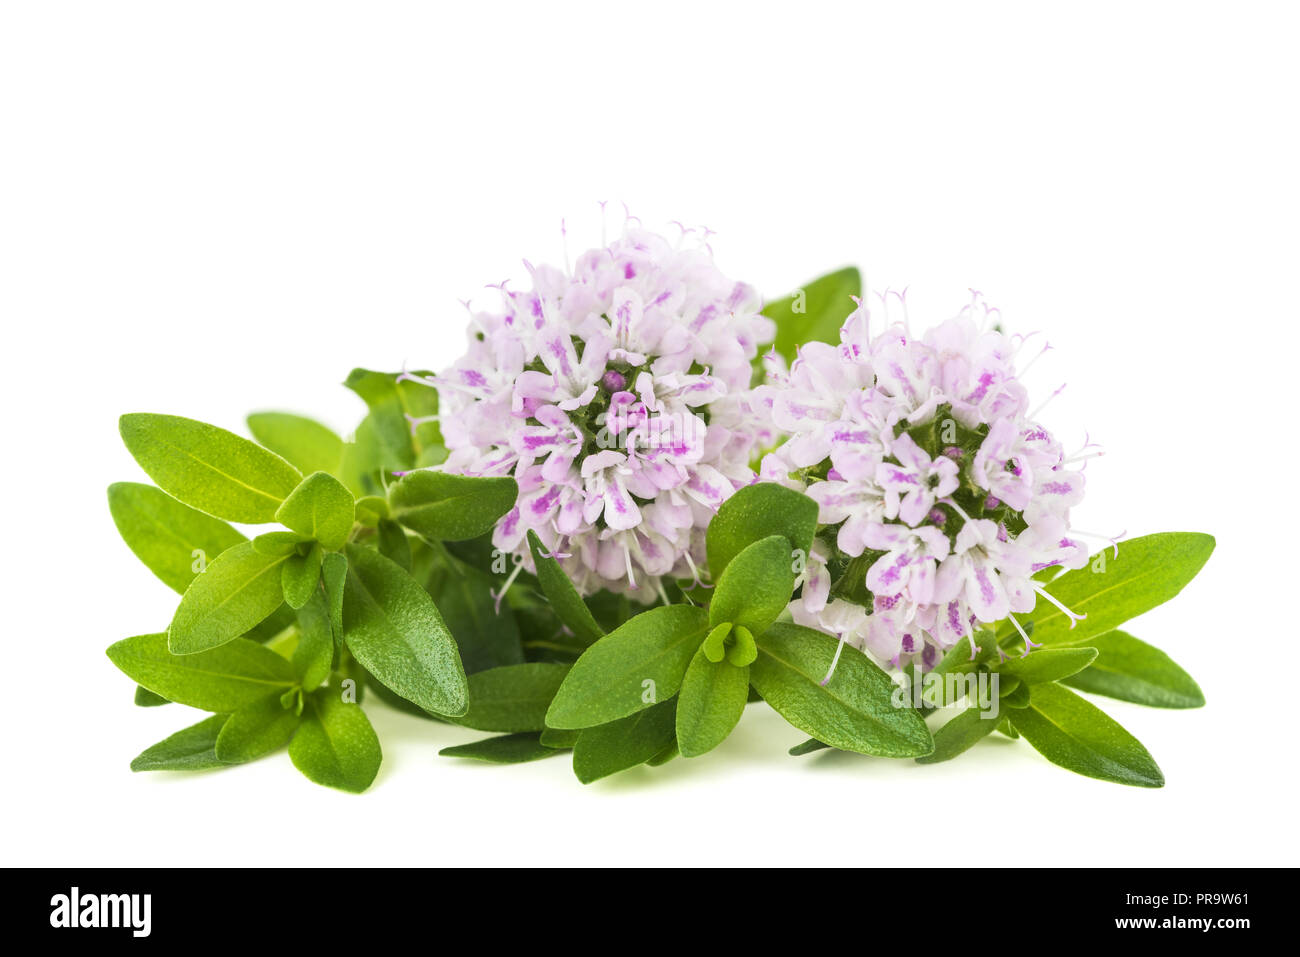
941, 497
617, 394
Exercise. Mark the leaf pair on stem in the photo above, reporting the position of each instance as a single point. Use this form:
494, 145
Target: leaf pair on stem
277, 635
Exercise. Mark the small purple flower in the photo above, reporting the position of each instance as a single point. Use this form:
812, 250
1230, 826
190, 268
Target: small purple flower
621, 477
858, 414
914, 481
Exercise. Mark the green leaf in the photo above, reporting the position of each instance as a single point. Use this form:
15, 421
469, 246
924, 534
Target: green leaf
817, 314
958, 660
1048, 664
371, 510
432, 456
279, 543
962, 732
450, 508
365, 461
173, 540
715, 642
1148, 572
224, 679
1076, 735
313, 656
334, 574
611, 609
300, 575
513, 698
633, 667
609, 748
487, 636
300, 441
664, 756
393, 628
144, 698
560, 737
854, 711
755, 587
745, 650
503, 749
1131, 670
1017, 695
256, 730
564, 598
393, 544
752, 514
239, 589
398, 703
209, 468
335, 744
190, 749
321, 508
709, 705
393, 404
808, 747
270, 628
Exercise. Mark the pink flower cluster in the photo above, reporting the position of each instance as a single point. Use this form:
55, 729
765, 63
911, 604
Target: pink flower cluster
941, 496
617, 394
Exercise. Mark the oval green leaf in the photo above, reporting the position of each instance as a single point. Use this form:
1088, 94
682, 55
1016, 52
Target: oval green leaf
635, 666
854, 711
755, 587
1080, 737
564, 598
1110, 590
299, 576
502, 749
322, 508
300, 441
815, 312
752, 514
313, 656
256, 730
239, 589
209, 468
709, 705
625, 743
450, 508
960, 734
1048, 664
190, 749
173, 540
401, 427
1131, 670
335, 744
333, 576
393, 628
512, 698
224, 679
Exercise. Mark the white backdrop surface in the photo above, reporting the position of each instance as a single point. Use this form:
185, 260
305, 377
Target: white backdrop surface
207, 209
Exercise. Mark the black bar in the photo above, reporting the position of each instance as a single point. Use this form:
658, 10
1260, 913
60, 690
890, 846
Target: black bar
365, 905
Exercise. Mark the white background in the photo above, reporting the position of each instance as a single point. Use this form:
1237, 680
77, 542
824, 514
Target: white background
207, 209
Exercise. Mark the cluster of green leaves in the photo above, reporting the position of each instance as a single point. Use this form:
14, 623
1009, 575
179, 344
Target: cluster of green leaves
1093, 656
379, 576
280, 635
675, 679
